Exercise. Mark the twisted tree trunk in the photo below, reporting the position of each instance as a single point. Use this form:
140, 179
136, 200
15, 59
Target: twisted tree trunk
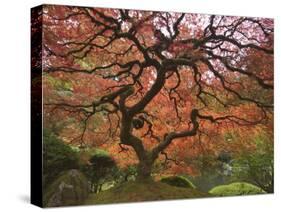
146, 157
145, 166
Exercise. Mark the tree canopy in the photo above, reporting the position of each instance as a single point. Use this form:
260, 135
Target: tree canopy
149, 85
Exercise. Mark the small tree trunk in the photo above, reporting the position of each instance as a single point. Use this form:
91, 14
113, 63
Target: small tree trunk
92, 184
96, 188
100, 188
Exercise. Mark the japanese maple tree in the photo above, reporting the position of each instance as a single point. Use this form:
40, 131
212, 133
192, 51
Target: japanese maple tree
150, 81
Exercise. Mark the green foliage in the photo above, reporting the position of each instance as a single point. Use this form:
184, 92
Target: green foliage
59, 84
131, 170
178, 181
238, 188
100, 168
57, 157
63, 87
100, 153
128, 173
85, 63
256, 167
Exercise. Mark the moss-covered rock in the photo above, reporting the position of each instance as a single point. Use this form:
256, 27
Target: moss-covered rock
178, 181
139, 191
70, 188
238, 188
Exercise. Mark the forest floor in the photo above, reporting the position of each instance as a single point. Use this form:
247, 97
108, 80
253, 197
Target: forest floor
143, 191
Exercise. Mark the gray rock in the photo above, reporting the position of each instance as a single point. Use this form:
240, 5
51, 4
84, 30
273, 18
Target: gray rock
70, 188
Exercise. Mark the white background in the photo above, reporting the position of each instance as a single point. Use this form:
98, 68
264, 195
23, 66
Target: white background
15, 103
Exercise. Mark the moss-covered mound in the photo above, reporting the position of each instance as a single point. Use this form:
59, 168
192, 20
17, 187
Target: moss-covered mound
70, 188
143, 191
238, 188
178, 181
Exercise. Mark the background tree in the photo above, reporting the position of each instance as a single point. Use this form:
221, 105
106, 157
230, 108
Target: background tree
155, 81
100, 169
257, 167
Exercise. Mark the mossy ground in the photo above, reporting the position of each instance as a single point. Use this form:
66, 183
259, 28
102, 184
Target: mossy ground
238, 188
178, 181
143, 191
